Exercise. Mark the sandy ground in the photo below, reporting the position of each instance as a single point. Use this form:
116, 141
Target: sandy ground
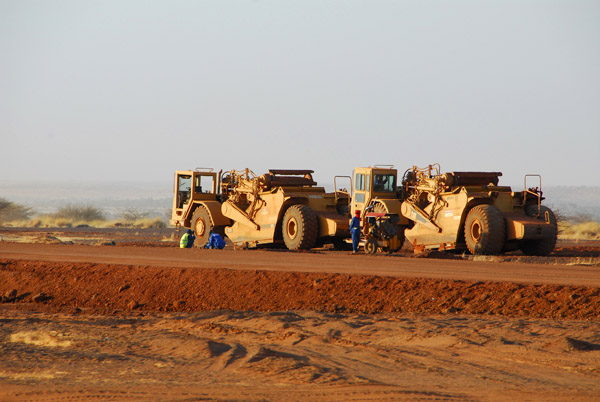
272, 356
149, 322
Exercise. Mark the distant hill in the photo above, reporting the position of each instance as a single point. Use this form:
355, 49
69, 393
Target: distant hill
112, 198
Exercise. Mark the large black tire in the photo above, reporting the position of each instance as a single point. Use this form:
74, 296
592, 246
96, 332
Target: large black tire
379, 208
540, 246
300, 227
400, 240
201, 225
485, 230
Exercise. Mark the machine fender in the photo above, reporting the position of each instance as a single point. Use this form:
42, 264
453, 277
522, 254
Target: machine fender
473, 202
214, 209
288, 202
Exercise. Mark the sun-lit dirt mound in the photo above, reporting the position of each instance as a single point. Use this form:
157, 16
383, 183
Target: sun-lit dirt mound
102, 288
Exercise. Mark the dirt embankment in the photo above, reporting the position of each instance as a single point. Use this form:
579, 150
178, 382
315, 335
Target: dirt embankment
108, 288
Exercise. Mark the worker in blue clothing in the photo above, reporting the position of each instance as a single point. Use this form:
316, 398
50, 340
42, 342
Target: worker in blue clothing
355, 231
215, 241
187, 240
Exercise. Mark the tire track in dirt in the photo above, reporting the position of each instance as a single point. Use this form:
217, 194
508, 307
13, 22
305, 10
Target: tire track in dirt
258, 356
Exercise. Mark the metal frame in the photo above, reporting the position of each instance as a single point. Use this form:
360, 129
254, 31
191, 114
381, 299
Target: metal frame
538, 194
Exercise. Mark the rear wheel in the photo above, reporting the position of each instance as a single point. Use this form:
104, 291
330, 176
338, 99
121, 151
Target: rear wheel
485, 230
540, 246
300, 227
201, 225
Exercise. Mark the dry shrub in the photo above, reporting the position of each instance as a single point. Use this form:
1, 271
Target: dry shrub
580, 231
41, 221
71, 216
146, 223
133, 215
51, 221
156, 223
151, 223
80, 213
63, 223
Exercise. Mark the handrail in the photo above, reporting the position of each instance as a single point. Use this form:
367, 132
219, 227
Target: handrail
336, 191
538, 194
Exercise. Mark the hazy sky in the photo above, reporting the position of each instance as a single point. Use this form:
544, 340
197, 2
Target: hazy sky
133, 90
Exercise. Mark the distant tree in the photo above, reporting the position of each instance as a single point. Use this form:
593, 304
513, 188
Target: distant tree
85, 213
133, 215
10, 211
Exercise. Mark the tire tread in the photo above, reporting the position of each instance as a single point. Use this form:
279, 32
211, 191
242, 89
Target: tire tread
310, 227
494, 230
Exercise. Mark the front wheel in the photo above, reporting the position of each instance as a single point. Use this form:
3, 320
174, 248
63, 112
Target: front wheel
371, 245
201, 225
485, 230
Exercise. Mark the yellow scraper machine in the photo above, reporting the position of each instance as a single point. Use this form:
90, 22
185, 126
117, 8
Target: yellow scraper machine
470, 210
449, 211
279, 207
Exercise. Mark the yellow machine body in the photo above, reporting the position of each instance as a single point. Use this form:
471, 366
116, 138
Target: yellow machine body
438, 205
251, 210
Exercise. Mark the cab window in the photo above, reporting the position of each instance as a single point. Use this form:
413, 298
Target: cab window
185, 183
203, 184
384, 183
184, 186
359, 185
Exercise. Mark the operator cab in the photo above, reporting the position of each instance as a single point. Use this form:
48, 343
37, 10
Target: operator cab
192, 185
370, 183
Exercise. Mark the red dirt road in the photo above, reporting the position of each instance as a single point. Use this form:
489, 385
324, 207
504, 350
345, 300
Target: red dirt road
325, 262
110, 279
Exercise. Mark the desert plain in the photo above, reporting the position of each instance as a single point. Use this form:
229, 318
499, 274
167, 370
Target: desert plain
124, 315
